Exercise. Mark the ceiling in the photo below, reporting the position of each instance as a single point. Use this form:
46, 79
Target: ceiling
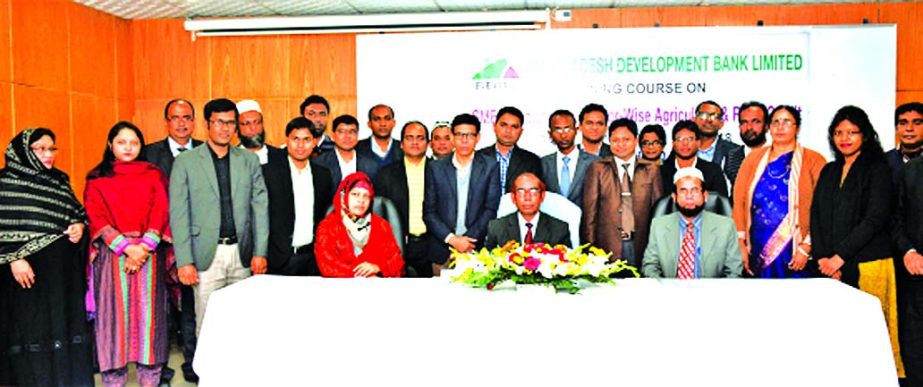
165, 9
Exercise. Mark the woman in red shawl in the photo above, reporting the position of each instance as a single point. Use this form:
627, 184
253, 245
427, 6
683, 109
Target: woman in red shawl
126, 202
352, 241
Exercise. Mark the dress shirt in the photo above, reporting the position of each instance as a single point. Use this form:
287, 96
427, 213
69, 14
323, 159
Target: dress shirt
415, 186
262, 153
522, 226
708, 154
631, 168
571, 164
303, 191
223, 172
697, 231
463, 178
377, 151
504, 161
346, 168
174, 146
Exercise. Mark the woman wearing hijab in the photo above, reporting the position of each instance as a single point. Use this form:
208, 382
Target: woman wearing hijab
126, 202
43, 329
352, 241
851, 215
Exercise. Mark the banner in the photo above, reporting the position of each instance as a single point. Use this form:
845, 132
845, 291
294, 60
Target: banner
651, 75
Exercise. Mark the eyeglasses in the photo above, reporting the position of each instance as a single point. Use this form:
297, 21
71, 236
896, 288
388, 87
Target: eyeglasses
466, 136
684, 140
708, 116
178, 119
786, 123
563, 130
40, 150
651, 143
528, 191
223, 123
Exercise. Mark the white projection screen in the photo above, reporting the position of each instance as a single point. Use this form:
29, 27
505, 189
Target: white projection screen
652, 75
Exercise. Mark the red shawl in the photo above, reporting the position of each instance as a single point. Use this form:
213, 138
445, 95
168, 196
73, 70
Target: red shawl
131, 202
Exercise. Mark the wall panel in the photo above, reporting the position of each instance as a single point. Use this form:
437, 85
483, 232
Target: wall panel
250, 67
40, 43
908, 17
92, 51
5, 71
167, 64
92, 116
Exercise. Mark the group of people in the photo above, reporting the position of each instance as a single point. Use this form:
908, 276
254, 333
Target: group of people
169, 223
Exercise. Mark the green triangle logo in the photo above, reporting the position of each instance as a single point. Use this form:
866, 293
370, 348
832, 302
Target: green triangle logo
492, 71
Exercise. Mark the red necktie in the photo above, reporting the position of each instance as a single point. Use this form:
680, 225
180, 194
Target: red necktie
686, 269
528, 239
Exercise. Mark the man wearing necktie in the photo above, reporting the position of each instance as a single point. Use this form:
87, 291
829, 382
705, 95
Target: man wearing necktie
692, 243
565, 169
527, 225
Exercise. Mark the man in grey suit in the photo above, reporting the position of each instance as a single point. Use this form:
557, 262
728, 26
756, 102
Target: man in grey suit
461, 194
218, 210
692, 243
344, 160
527, 224
564, 170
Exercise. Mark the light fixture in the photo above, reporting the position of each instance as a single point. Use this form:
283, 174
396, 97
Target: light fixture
335, 24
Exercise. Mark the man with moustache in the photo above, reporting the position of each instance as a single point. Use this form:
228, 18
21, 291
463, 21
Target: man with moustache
686, 137
251, 133
179, 117
317, 110
593, 120
908, 123
618, 195
709, 116
218, 210
404, 183
380, 146
564, 170
753, 127
441, 144
527, 224
511, 159
692, 243
299, 194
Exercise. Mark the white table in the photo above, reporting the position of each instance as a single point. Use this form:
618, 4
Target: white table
282, 331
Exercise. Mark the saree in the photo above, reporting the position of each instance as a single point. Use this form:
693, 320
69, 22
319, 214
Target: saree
772, 230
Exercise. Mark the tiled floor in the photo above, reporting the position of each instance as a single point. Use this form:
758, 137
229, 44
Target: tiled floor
176, 360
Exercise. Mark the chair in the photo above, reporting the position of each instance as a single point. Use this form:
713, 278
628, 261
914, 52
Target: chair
555, 205
716, 203
385, 208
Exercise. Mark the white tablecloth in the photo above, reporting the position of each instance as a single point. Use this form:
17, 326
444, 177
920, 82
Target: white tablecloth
281, 331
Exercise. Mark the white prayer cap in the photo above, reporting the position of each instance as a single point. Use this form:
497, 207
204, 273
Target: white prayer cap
248, 105
688, 172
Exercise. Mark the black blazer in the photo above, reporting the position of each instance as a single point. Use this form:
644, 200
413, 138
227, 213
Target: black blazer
391, 183
908, 222
549, 230
329, 160
521, 161
853, 220
277, 174
440, 202
158, 153
714, 178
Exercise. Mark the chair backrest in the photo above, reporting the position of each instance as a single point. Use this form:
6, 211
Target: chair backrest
555, 205
715, 203
385, 208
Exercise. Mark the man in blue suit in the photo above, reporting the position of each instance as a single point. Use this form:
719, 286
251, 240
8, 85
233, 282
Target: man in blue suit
461, 194
563, 171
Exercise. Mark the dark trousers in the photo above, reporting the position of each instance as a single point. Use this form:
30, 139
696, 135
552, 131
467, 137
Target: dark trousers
911, 332
303, 264
187, 336
416, 259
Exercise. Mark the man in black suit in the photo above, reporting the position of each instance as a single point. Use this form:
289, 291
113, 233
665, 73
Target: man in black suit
404, 183
179, 116
511, 159
299, 195
317, 110
527, 224
380, 146
908, 241
344, 160
250, 131
686, 137
462, 193
594, 125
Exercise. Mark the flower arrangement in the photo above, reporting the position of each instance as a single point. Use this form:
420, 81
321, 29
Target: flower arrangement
537, 263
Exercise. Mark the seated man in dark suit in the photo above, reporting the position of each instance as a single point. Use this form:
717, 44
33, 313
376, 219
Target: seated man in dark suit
692, 243
527, 224
511, 159
686, 137
461, 194
299, 193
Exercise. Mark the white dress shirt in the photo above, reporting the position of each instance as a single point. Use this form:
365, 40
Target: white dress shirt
174, 146
346, 168
303, 191
522, 226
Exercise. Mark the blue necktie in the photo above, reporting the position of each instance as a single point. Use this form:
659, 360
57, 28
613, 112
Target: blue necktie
565, 176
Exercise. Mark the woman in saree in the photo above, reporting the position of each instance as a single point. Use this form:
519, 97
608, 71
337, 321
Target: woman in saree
772, 201
43, 329
126, 202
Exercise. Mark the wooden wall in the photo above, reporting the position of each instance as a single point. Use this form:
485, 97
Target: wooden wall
78, 71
